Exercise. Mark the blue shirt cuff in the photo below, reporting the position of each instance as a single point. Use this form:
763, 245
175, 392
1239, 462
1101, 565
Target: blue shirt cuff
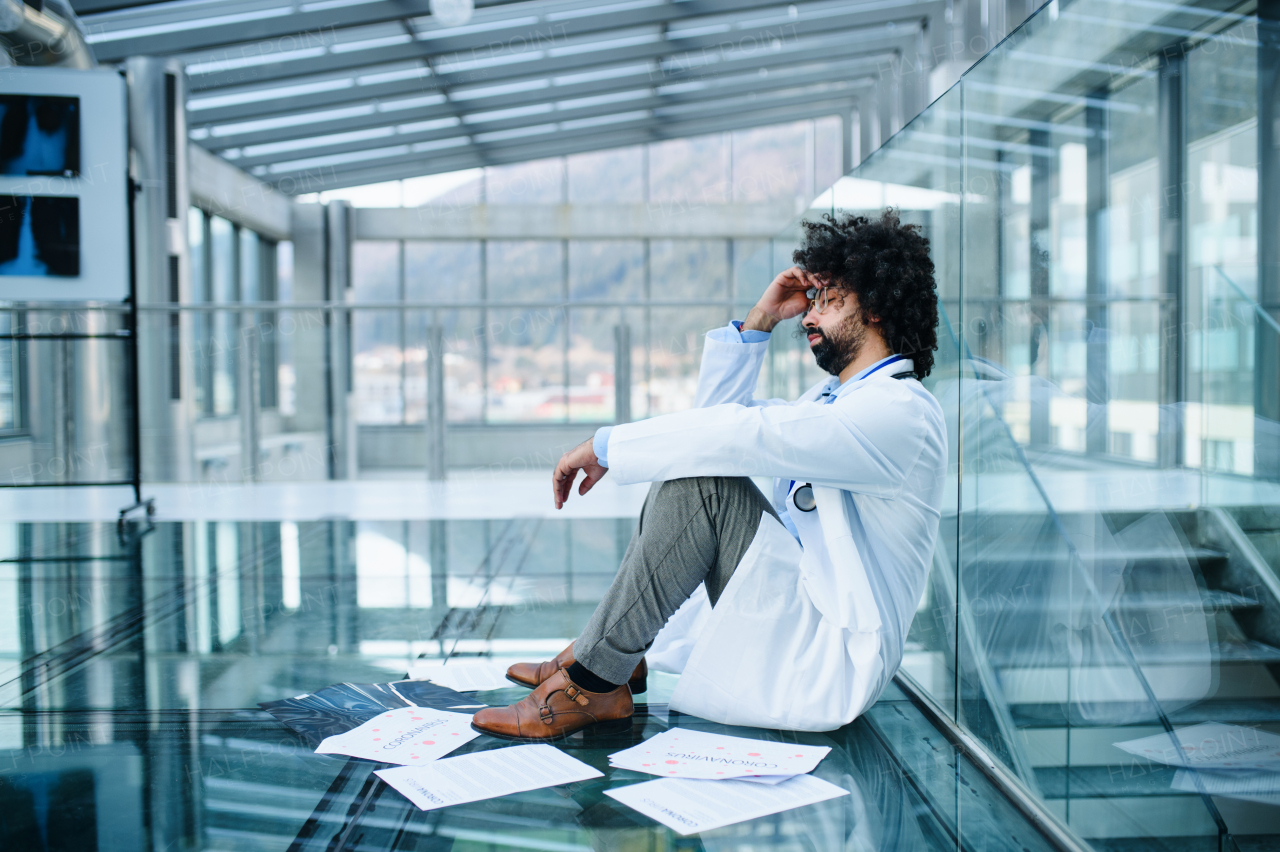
750, 335
600, 445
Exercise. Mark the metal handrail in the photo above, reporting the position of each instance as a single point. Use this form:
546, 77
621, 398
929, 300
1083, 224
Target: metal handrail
1077, 561
171, 307
1025, 800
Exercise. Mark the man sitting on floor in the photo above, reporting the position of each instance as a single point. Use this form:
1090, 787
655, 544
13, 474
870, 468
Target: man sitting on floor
788, 611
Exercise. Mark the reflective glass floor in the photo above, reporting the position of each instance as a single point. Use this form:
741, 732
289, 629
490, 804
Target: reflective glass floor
131, 667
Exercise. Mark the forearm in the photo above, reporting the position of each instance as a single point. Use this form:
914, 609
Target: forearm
760, 320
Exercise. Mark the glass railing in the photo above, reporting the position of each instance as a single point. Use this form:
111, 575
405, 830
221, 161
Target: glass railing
1105, 588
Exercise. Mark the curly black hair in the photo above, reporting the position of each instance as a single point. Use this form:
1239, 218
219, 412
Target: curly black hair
887, 264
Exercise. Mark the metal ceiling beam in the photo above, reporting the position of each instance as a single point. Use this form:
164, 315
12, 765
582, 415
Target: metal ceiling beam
878, 44
709, 120
444, 40
709, 95
94, 7
360, 174
647, 99
100, 10
579, 221
674, 43
806, 52
320, 26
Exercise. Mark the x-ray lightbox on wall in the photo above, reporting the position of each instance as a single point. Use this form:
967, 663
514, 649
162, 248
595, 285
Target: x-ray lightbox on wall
64, 218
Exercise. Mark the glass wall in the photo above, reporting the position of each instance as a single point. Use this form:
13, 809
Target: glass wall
537, 339
545, 333
1103, 608
532, 329
230, 264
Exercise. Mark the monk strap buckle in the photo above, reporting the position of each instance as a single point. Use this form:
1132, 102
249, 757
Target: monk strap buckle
546, 713
575, 694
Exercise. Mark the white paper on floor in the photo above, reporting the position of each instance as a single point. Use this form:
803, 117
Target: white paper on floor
1211, 745
764, 779
471, 676
682, 753
407, 735
689, 805
486, 775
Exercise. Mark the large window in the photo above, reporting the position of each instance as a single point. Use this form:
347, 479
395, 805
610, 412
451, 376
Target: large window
230, 265
535, 330
536, 338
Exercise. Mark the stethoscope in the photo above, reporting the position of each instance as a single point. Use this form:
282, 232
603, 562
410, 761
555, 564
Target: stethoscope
803, 497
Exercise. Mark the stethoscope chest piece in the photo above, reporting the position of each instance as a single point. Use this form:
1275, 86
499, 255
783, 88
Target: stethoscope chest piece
803, 498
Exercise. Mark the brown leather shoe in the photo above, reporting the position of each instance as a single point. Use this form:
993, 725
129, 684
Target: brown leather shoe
556, 709
532, 674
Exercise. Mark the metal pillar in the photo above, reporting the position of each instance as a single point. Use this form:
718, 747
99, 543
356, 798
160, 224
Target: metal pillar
622, 373
338, 351
248, 374
1097, 184
1266, 371
1041, 319
158, 154
435, 420
868, 122
1170, 119
309, 340
849, 149
886, 91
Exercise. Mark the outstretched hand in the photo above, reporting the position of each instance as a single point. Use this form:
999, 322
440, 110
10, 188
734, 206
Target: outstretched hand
580, 458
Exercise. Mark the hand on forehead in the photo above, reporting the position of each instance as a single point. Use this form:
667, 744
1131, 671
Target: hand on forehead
818, 285
821, 281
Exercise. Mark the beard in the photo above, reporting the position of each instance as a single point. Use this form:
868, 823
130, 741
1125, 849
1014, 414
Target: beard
837, 348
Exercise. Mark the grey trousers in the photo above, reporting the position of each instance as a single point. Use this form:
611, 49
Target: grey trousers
690, 531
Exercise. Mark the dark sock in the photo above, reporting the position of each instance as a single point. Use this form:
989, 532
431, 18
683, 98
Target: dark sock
582, 676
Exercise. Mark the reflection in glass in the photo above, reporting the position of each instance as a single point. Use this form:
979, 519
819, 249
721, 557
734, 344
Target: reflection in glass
154, 729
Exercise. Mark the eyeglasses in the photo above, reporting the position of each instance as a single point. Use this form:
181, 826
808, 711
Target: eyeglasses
821, 298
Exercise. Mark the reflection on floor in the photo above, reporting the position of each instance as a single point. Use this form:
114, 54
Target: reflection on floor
130, 669
131, 666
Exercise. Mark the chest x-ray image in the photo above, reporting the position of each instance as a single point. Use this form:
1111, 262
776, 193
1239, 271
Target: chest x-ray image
39, 235
39, 135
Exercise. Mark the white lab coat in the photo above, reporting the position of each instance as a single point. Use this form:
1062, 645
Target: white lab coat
802, 638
